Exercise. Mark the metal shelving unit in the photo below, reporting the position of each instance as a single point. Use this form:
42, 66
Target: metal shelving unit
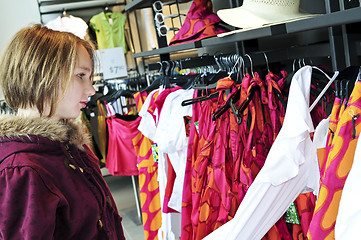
137, 4
51, 7
165, 50
322, 21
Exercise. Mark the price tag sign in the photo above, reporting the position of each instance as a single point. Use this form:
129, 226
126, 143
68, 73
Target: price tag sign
112, 63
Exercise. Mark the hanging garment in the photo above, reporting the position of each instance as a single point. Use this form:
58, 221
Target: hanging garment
149, 115
194, 144
275, 104
291, 168
305, 202
259, 141
121, 157
323, 152
206, 200
337, 167
171, 139
170, 228
109, 30
102, 131
349, 212
70, 24
199, 23
219, 169
148, 183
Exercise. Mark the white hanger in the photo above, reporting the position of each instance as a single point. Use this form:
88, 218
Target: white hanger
325, 88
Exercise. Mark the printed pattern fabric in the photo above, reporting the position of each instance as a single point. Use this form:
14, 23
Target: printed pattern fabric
259, 140
336, 168
224, 157
148, 184
199, 23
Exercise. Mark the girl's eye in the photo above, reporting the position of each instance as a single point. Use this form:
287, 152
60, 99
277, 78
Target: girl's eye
81, 75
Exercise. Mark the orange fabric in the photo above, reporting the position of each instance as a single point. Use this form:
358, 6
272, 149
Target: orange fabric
338, 164
148, 184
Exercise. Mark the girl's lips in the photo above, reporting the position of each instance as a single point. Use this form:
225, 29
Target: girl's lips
83, 104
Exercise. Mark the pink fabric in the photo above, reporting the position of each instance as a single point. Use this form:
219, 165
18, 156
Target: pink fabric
200, 23
121, 156
162, 96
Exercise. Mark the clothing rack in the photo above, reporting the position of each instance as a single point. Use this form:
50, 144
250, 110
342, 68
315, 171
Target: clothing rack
59, 6
75, 6
258, 58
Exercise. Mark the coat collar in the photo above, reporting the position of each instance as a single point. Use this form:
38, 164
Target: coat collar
70, 132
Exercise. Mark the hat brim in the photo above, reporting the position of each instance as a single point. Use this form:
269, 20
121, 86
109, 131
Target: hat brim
249, 18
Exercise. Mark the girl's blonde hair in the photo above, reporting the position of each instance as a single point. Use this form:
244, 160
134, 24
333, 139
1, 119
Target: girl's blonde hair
37, 63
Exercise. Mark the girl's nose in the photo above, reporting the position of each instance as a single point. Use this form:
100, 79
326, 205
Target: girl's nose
90, 89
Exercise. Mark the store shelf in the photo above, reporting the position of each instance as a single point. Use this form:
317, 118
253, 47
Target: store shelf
326, 20
317, 22
137, 4
241, 36
46, 7
176, 48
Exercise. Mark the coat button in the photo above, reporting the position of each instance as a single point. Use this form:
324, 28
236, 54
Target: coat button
100, 224
72, 166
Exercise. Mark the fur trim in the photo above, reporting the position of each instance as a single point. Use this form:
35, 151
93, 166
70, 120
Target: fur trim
12, 125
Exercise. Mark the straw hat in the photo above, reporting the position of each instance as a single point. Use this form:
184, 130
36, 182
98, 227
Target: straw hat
258, 13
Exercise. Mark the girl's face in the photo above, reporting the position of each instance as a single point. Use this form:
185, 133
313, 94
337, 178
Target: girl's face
79, 89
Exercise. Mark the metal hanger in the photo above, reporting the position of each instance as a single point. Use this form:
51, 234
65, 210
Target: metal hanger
250, 59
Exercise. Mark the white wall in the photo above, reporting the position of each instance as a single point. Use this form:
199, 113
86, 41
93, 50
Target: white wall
14, 15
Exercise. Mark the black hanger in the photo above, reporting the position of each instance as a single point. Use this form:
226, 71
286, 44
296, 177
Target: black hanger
126, 93
347, 78
199, 99
111, 95
349, 73
249, 98
154, 85
229, 104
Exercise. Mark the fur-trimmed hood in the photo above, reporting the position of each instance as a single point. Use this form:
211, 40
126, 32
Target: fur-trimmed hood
12, 125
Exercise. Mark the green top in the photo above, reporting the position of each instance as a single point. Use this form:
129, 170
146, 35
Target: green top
109, 30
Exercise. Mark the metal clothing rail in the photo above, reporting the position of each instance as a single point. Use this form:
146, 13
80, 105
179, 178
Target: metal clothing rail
258, 58
75, 6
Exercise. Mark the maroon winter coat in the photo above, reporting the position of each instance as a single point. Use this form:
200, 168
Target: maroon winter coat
51, 186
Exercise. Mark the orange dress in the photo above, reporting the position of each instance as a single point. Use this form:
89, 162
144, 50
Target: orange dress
148, 184
336, 168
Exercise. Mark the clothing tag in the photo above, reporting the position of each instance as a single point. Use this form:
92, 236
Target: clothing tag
110, 21
155, 152
197, 126
291, 215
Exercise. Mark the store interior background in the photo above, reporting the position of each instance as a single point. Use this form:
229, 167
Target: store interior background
27, 12
21, 13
